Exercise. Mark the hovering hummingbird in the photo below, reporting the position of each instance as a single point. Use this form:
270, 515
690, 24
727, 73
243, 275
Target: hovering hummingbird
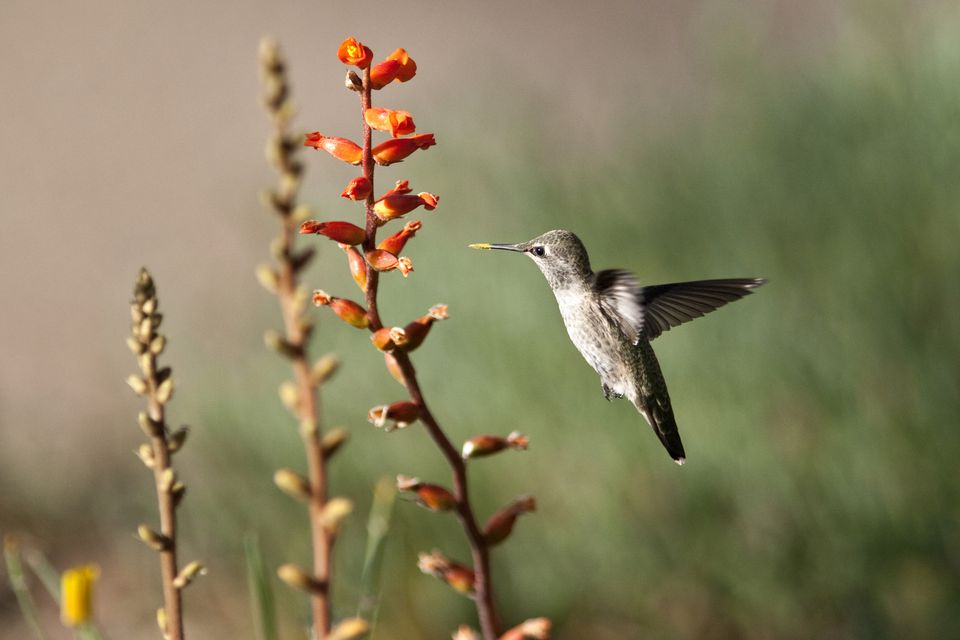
611, 320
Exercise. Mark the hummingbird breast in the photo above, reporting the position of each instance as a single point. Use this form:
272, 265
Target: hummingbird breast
598, 339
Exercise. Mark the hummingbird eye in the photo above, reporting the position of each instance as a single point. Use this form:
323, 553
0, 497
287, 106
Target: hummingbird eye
538, 251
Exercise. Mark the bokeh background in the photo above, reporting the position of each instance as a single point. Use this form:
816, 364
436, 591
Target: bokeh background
815, 143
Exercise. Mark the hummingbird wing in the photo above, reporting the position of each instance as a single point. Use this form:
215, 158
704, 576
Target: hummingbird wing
655, 309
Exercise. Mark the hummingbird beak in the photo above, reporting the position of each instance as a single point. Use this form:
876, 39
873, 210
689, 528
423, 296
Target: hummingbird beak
503, 247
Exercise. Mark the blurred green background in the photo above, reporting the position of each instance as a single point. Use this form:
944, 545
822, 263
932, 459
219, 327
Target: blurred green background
816, 144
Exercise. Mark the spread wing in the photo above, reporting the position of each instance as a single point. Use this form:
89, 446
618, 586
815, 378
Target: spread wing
655, 309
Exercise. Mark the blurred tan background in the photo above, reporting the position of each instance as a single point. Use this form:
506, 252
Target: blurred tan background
814, 143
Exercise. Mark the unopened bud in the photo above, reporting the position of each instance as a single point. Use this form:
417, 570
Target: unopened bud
297, 578
533, 629
430, 496
350, 629
145, 453
268, 278
292, 483
394, 367
154, 540
347, 310
135, 345
176, 439
456, 575
149, 426
281, 345
501, 523
485, 445
290, 396
188, 573
358, 267
162, 621
333, 440
324, 368
138, 384
353, 82
333, 514
158, 344
165, 391
167, 478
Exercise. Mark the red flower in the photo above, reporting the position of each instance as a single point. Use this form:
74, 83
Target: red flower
431, 496
390, 207
383, 74
357, 189
340, 148
408, 68
486, 445
401, 186
396, 123
347, 310
395, 243
343, 232
416, 332
453, 573
353, 52
501, 523
401, 414
395, 150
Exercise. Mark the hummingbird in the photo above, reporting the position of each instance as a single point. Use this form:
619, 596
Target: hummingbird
611, 320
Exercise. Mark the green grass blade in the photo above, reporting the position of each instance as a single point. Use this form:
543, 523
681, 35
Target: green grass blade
18, 582
261, 591
378, 526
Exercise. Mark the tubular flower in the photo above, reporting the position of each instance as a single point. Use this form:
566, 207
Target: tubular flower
399, 415
382, 260
485, 445
358, 267
347, 310
76, 589
430, 496
342, 232
353, 52
396, 149
454, 574
501, 523
394, 206
417, 330
340, 148
396, 123
357, 189
395, 243
401, 186
383, 73
408, 68
533, 629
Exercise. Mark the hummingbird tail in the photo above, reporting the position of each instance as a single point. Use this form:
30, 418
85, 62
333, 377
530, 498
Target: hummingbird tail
652, 400
665, 426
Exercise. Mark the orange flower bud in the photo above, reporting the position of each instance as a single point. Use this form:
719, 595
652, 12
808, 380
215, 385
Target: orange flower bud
382, 260
404, 266
396, 123
533, 629
453, 573
399, 414
357, 189
396, 149
501, 523
358, 267
347, 310
339, 148
394, 206
431, 496
486, 445
382, 340
339, 231
408, 68
395, 243
401, 186
393, 367
383, 73
353, 52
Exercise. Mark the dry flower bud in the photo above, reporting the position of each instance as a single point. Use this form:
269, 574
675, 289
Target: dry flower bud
395, 243
292, 483
358, 267
393, 206
399, 415
150, 427
138, 384
352, 81
350, 629
324, 368
431, 496
347, 310
533, 629
135, 345
145, 453
382, 260
338, 231
340, 148
188, 573
501, 523
408, 68
158, 344
333, 440
333, 514
396, 123
404, 266
165, 391
352, 52
357, 189
384, 73
485, 445
176, 439
154, 540
290, 396
456, 575
267, 277
396, 149
297, 578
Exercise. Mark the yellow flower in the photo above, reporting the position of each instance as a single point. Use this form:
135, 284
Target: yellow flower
76, 594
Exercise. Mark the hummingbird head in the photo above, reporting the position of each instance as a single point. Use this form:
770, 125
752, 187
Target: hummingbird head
559, 254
